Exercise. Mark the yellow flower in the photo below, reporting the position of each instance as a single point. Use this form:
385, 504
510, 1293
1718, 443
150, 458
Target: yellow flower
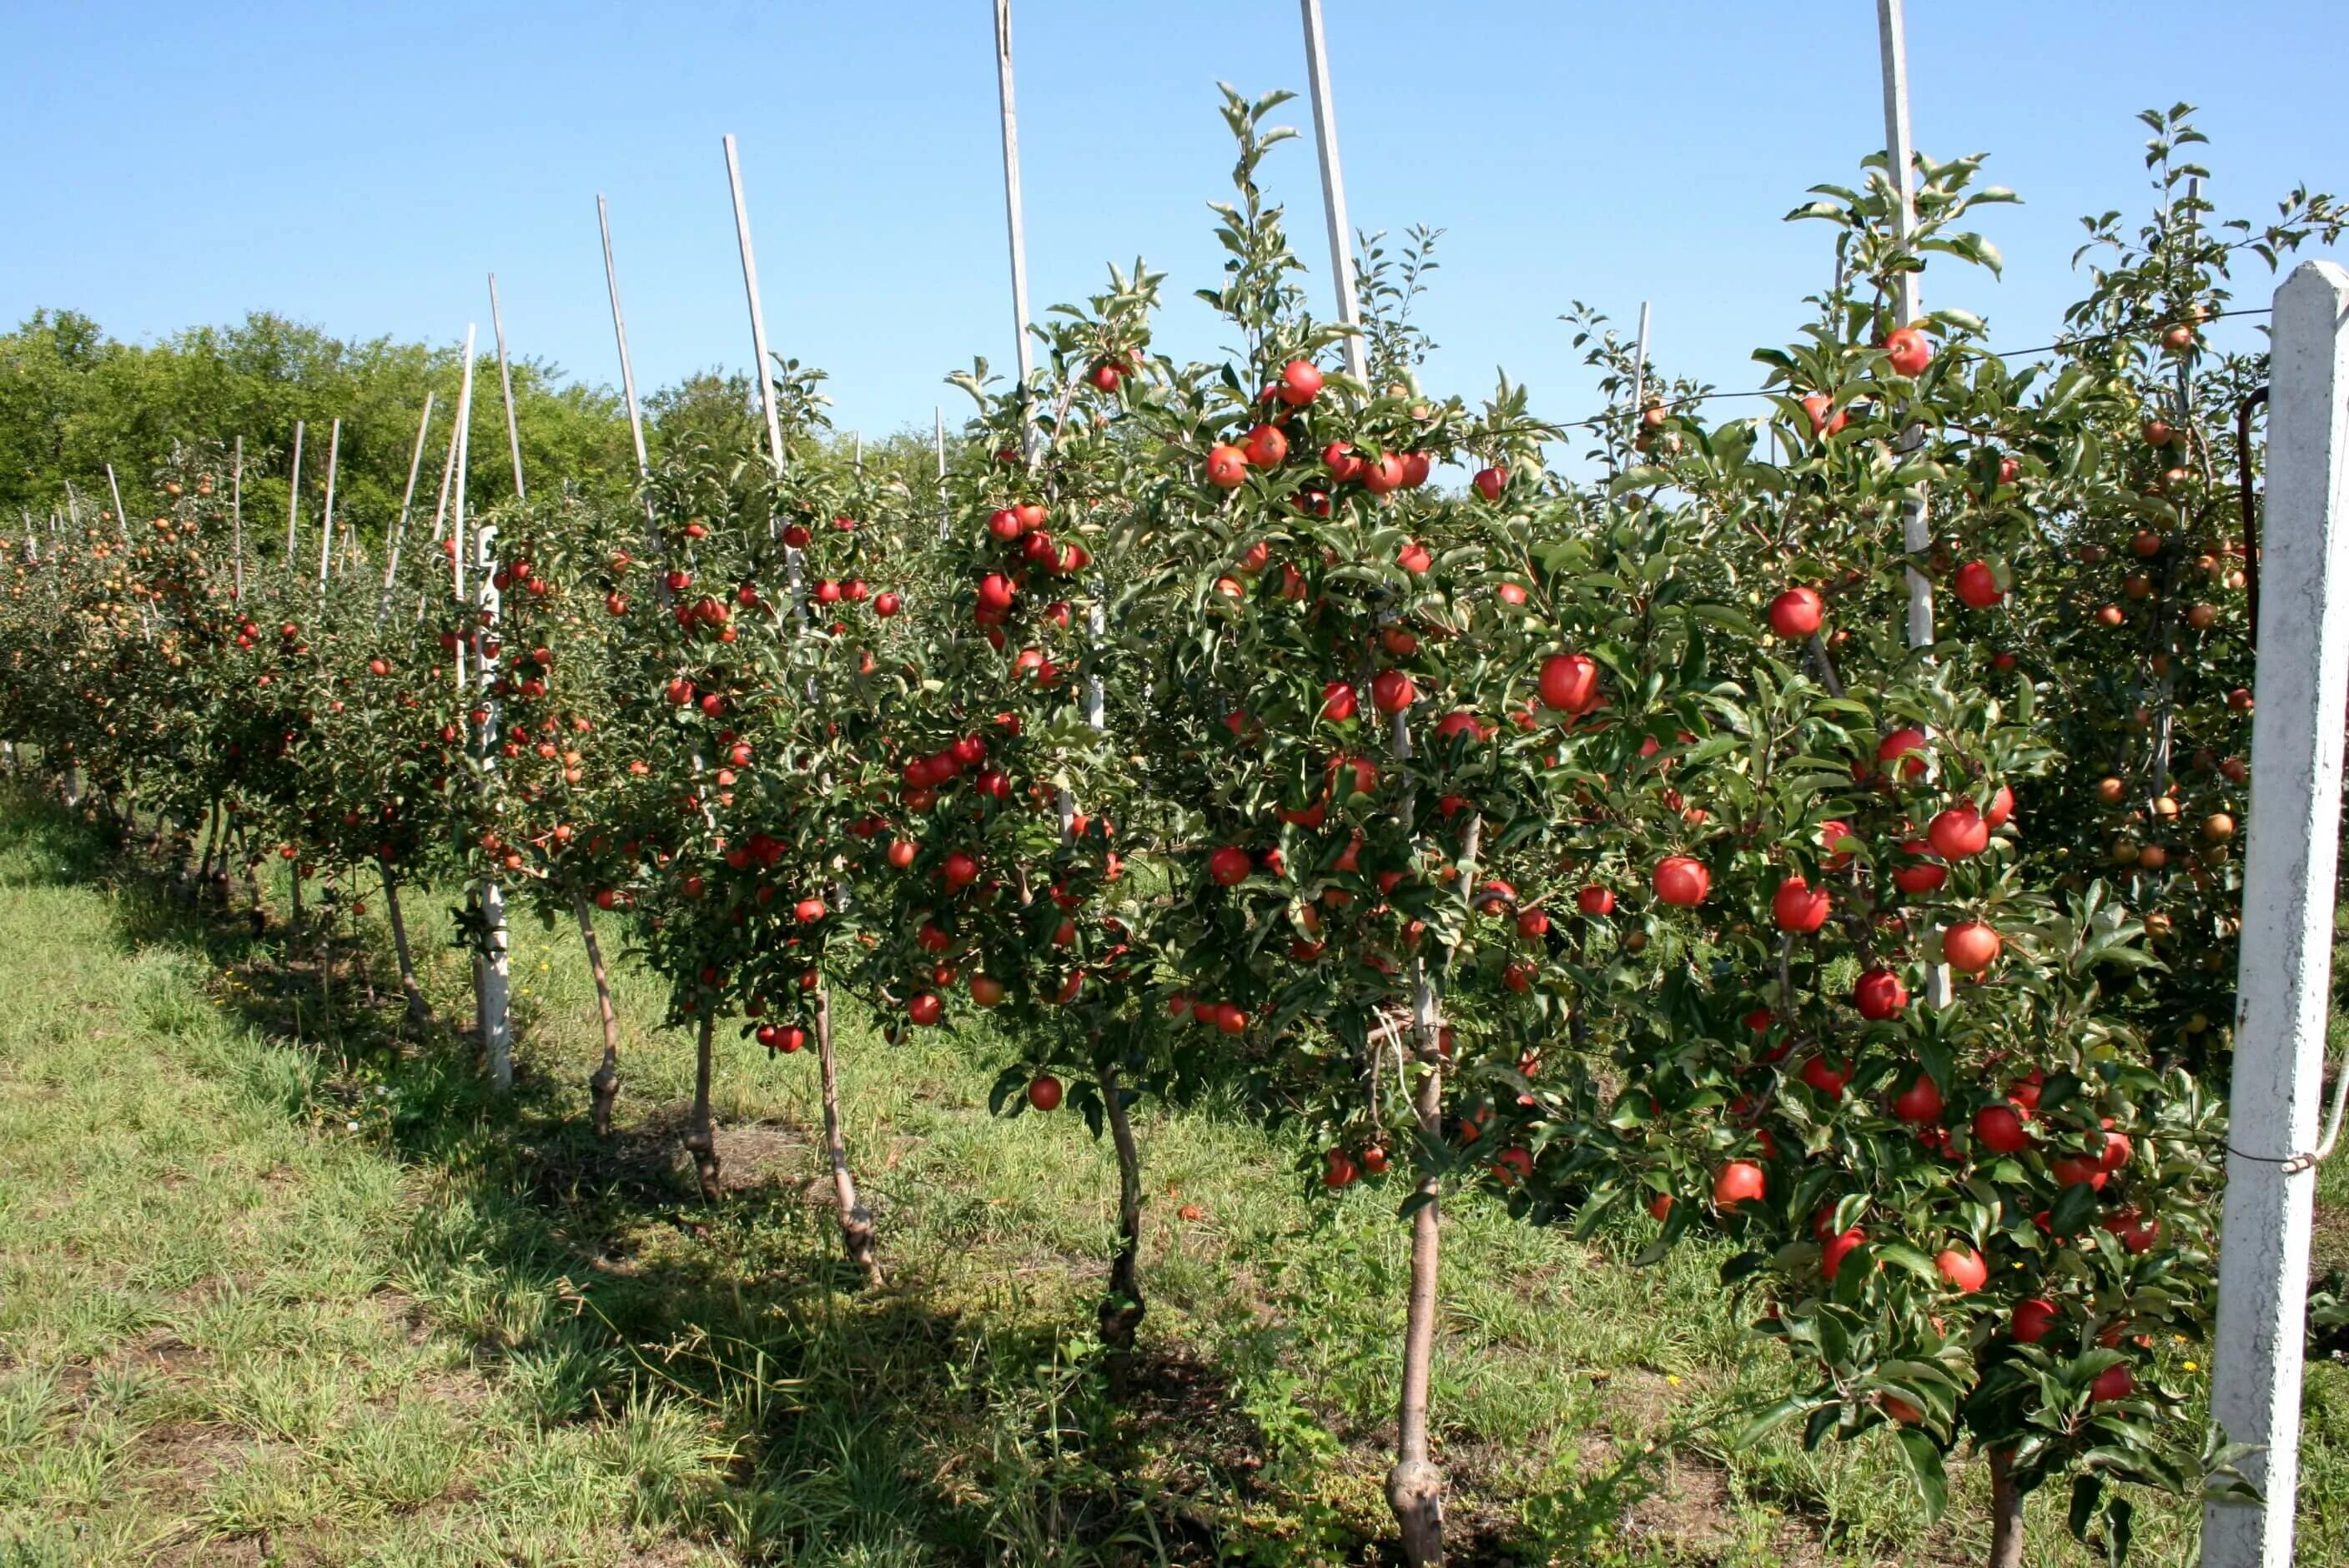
2192, 1367
1674, 1379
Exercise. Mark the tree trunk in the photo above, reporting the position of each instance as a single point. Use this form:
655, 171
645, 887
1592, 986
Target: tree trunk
855, 1223
2006, 1512
1415, 1486
1122, 1307
418, 1010
603, 1085
700, 1137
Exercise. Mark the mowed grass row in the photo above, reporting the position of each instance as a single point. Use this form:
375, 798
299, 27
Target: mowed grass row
277, 1285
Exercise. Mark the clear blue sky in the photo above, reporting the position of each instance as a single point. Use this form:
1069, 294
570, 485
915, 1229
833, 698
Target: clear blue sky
363, 167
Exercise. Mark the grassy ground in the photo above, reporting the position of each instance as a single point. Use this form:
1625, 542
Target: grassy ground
273, 1290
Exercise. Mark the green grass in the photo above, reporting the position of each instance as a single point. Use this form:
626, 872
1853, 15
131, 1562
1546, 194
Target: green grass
273, 1290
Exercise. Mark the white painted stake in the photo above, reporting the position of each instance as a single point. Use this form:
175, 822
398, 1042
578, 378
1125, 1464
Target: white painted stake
146, 618
326, 532
505, 384
464, 434
236, 516
1908, 305
121, 518
1013, 225
407, 499
1640, 372
620, 336
1333, 190
294, 496
655, 548
762, 370
440, 515
2285, 974
946, 525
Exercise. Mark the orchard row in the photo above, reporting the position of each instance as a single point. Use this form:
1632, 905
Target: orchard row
1615, 845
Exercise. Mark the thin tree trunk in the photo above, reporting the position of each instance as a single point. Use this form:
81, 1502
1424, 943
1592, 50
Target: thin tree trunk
418, 1010
855, 1223
604, 1086
700, 1136
1122, 1307
1415, 1486
2006, 1512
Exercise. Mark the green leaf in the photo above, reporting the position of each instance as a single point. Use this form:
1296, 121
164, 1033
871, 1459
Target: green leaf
1924, 1460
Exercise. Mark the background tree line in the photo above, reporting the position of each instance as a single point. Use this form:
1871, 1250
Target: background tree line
74, 400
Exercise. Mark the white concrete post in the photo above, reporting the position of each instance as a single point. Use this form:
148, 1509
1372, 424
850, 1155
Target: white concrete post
1333, 190
761, 371
2284, 981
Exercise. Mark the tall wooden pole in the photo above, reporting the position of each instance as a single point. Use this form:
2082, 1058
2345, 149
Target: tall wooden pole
327, 530
946, 524
762, 370
2284, 981
505, 385
1333, 190
294, 496
1014, 225
407, 499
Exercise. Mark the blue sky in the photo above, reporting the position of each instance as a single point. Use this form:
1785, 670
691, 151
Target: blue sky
362, 168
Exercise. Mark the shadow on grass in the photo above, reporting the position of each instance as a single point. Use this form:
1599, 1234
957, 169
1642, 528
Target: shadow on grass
590, 1278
